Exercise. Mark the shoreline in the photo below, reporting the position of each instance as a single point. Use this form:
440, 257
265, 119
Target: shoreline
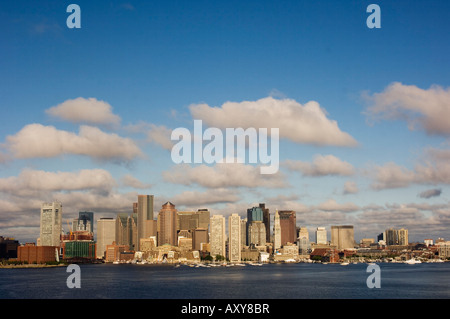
31, 266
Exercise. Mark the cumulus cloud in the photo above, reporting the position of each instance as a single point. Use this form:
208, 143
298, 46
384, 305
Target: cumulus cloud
430, 193
88, 111
21, 197
208, 197
321, 166
223, 175
433, 169
37, 181
160, 135
429, 109
392, 175
332, 205
299, 123
350, 187
39, 141
131, 181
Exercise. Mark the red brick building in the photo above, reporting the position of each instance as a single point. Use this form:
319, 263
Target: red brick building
33, 254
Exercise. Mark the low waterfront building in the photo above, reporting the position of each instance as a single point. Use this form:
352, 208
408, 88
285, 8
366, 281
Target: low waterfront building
32, 254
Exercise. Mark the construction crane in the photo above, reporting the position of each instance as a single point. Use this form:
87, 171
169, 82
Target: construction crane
70, 229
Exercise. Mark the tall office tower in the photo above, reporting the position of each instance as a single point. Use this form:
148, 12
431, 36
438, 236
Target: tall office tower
244, 231
303, 242
288, 227
186, 221
343, 237
266, 220
321, 235
203, 218
234, 238
381, 237
253, 214
106, 235
257, 233
391, 236
192, 220
167, 225
276, 231
133, 224
217, 236
144, 212
123, 230
85, 222
403, 237
199, 237
51, 224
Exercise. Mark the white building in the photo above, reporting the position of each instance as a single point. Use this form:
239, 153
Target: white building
50, 224
321, 235
234, 238
217, 236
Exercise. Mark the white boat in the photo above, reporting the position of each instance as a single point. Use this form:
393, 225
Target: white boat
344, 263
412, 261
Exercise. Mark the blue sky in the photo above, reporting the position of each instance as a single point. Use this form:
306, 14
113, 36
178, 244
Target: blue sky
152, 61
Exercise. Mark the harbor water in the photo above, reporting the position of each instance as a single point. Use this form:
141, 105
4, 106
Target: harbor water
269, 281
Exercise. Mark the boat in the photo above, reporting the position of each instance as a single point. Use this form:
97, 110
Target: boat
344, 263
412, 261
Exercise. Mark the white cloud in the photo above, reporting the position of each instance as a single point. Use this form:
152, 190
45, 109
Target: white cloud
430, 109
223, 175
131, 181
321, 166
160, 135
350, 187
332, 205
392, 175
30, 182
208, 197
433, 169
38, 141
306, 123
81, 110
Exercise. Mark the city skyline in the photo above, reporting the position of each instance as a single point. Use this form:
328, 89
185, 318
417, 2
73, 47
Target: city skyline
185, 222
87, 114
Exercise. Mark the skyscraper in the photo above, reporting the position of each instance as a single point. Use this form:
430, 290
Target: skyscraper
257, 233
303, 242
321, 235
276, 231
123, 230
403, 237
217, 236
51, 224
85, 222
234, 238
391, 236
288, 227
144, 213
253, 214
266, 220
167, 225
343, 237
106, 234
396, 236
